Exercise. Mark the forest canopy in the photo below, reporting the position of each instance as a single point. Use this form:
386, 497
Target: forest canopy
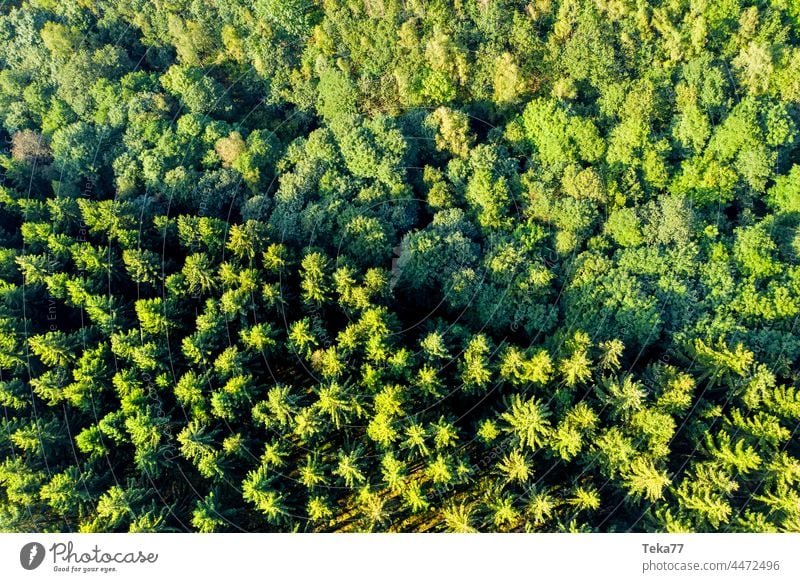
383, 265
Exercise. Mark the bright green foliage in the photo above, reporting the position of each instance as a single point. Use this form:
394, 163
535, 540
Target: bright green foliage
399, 266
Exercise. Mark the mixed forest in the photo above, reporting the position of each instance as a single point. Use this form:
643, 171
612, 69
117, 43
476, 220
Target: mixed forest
400, 265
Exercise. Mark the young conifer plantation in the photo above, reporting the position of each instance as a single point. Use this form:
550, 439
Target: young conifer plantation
400, 265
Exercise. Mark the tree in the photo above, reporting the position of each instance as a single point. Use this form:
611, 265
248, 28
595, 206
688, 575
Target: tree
199, 92
295, 17
508, 83
30, 147
54, 348
452, 131
475, 369
458, 518
781, 194
557, 136
526, 421
313, 283
258, 489
348, 468
754, 67
206, 517
515, 467
645, 480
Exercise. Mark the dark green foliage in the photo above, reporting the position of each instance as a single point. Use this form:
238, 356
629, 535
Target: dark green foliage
399, 266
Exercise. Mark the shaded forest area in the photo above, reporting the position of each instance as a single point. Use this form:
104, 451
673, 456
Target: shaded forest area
384, 265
